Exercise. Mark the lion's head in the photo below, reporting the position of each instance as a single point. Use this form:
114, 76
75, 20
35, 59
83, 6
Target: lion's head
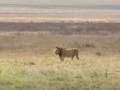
58, 50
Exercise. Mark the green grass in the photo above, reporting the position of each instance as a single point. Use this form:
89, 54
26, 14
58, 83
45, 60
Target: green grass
34, 72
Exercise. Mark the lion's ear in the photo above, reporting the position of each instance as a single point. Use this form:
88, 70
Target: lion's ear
56, 47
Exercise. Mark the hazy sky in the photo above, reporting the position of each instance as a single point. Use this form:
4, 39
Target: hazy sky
62, 2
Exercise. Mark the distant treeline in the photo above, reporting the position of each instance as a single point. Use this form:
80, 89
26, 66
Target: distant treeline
63, 28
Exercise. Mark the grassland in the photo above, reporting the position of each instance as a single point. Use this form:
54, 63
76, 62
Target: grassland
28, 61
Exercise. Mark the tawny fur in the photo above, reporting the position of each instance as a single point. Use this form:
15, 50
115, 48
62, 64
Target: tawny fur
63, 52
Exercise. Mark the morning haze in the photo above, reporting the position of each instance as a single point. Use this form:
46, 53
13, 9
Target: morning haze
63, 4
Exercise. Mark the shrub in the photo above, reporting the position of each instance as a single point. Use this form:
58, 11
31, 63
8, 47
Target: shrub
87, 45
75, 45
98, 53
29, 63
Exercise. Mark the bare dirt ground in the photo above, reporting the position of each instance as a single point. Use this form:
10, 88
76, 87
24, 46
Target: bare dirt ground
53, 15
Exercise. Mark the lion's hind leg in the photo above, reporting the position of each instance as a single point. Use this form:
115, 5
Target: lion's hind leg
77, 56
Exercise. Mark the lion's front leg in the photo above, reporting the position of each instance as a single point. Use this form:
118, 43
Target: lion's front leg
61, 58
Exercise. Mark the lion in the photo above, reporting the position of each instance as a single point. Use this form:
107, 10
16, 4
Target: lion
63, 52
